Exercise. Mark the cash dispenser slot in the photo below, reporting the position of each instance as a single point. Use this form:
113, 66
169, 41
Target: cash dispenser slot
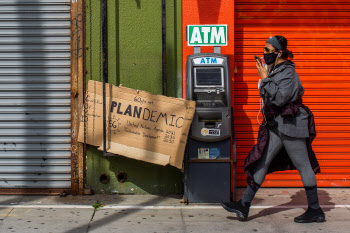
209, 117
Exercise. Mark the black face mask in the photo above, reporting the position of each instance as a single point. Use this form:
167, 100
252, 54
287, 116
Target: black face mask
270, 58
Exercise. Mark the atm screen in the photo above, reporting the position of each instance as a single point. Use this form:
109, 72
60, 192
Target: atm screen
209, 76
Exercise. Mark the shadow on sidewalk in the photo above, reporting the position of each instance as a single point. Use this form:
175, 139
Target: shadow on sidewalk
324, 199
11, 203
114, 217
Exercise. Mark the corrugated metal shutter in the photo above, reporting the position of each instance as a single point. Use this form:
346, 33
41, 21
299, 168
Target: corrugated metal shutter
319, 36
35, 94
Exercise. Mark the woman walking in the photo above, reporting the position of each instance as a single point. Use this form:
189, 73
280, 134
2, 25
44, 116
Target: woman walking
286, 134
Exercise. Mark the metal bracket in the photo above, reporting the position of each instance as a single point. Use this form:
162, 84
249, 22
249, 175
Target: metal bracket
217, 49
196, 49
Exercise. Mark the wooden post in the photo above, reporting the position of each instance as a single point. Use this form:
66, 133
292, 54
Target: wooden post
77, 95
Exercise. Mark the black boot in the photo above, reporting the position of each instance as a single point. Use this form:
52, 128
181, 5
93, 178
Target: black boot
242, 211
314, 212
311, 215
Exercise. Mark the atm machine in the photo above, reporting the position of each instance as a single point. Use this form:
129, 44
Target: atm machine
209, 161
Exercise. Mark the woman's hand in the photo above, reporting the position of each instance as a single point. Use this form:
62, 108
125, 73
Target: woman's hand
261, 70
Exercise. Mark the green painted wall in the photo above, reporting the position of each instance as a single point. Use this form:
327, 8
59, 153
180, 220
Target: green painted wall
135, 61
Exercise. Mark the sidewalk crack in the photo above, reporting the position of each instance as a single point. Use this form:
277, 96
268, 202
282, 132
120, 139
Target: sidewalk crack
11, 210
8, 214
183, 221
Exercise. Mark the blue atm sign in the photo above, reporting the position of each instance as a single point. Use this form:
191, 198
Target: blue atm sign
208, 60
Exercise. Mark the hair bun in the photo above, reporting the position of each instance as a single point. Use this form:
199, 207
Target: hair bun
290, 54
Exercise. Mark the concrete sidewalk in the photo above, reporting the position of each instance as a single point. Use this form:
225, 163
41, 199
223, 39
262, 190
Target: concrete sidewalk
273, 210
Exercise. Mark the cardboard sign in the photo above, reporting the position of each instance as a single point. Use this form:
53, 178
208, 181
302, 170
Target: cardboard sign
140, 125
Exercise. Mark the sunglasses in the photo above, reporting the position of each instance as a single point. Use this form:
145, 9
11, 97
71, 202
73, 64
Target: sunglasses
267, 50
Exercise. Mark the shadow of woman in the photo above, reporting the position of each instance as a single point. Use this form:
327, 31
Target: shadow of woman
324, 198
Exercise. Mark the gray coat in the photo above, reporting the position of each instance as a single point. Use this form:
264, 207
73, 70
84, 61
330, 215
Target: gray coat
281, 87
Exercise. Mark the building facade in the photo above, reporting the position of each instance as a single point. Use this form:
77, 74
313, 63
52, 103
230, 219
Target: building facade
49, 49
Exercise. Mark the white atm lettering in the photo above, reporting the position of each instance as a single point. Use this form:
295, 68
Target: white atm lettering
207, 35
196, 36
218, 36
206, 31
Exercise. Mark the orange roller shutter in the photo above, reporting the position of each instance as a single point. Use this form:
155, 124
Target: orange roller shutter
318, 33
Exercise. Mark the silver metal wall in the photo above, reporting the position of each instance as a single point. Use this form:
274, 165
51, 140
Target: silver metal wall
35, 94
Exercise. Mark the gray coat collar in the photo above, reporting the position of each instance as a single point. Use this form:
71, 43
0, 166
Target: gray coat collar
286, 64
